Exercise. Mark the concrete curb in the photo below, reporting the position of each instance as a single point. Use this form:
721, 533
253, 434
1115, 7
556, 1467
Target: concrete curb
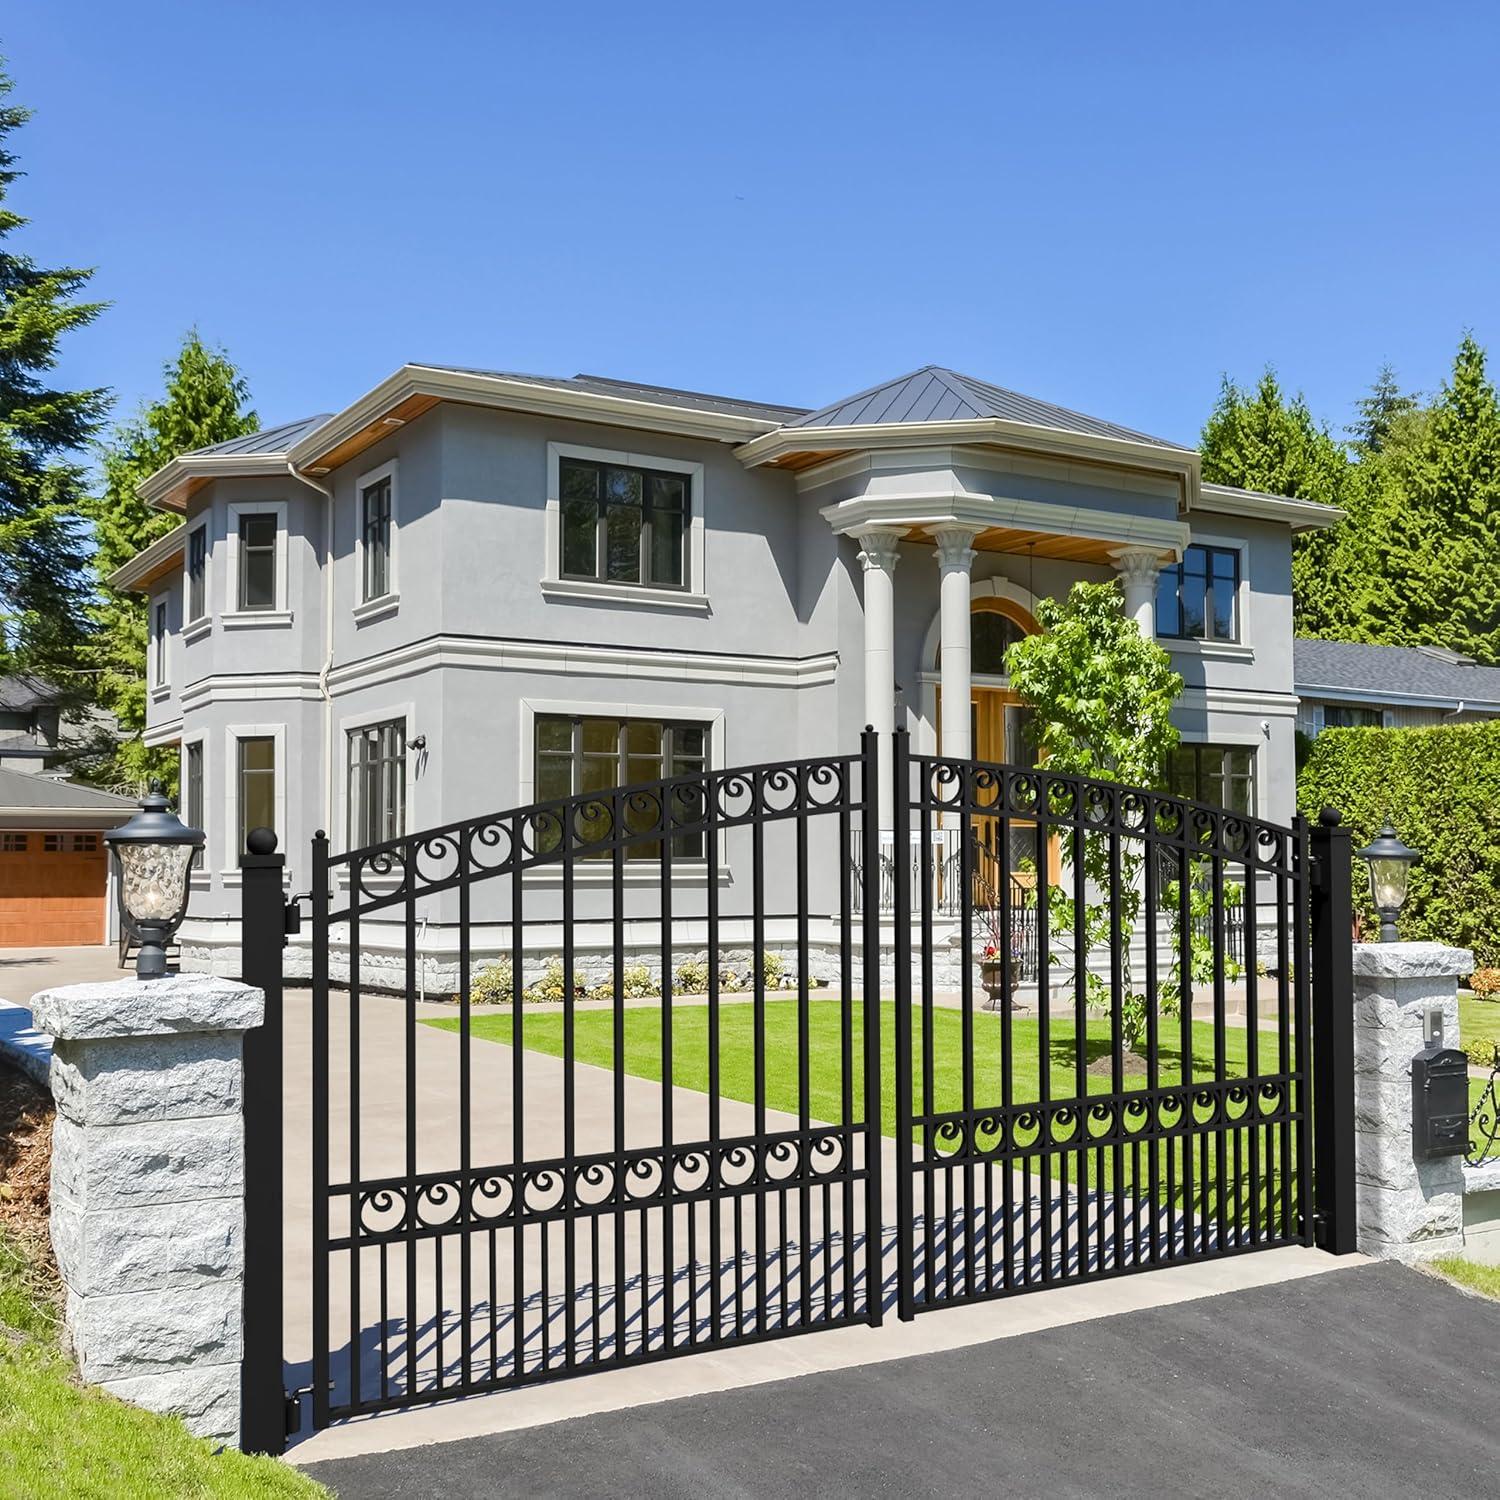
22, 1045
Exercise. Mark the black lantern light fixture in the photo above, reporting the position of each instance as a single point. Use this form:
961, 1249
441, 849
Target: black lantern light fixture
1390, 864
153, 855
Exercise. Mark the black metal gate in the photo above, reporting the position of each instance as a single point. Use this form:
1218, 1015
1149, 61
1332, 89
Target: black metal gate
599, 1081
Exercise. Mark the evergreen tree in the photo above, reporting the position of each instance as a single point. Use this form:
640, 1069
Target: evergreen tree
1384, 410
43, 545
1260, 440
204, 403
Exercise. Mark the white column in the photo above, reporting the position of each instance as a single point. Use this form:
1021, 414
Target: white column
1138, 567
955, 558
879, 553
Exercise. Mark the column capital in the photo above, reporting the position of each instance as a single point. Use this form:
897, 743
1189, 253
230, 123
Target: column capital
955, 552
1137, 564
880, 548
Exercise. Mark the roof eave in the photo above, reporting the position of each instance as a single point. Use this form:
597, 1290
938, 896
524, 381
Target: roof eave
171, 486
1345, 694
149, 561
514, 394
1300, 515
1051, 440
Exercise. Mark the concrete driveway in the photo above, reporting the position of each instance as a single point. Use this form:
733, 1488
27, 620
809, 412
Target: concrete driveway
1374, 1381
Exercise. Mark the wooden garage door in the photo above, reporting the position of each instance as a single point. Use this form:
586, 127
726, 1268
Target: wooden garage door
51, 889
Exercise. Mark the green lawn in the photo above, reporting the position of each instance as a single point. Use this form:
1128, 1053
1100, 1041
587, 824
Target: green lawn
58, 1437
1467, 1273
593, 1043
1478, 1020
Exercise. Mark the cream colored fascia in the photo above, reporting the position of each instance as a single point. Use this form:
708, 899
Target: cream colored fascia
923, 512
511, 394
1300, 515
160, 490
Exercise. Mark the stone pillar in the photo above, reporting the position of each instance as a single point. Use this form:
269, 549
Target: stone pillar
879, 553
955, 559
1407, 1210
148, 1181
1138, 567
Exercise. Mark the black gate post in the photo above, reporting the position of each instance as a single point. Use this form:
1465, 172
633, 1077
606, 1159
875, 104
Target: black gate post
1332, 903
874, 1149
263, 921
906, 1275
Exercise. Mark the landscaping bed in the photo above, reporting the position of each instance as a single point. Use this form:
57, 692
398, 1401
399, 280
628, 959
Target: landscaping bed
57, 1435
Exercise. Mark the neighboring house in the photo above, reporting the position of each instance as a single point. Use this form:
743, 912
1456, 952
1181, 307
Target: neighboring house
1345, 684
473, 590
31, 727
54, 870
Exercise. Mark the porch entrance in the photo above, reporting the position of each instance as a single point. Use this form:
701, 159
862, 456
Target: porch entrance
649, 1121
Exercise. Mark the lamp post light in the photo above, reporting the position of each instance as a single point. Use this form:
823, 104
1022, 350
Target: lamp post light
1390, 864
153, 855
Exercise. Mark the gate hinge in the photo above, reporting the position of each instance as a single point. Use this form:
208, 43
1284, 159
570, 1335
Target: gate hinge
294, 1410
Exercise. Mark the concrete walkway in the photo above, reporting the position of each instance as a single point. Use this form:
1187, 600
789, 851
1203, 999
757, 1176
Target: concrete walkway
1374, 1381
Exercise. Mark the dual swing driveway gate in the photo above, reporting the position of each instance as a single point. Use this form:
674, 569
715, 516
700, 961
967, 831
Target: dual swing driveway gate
725, 1097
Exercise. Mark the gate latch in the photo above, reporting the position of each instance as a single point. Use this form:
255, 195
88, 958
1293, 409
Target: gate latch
293, 913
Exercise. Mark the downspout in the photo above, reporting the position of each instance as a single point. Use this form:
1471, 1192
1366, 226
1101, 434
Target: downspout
329, 790
1453, 713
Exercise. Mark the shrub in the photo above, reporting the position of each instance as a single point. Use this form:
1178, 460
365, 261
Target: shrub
1440, 787
1480, 1051
773, 966
492, 985
552, 985
692, 978
1485, 983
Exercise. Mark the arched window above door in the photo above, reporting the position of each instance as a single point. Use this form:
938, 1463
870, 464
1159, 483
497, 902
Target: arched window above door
990, 633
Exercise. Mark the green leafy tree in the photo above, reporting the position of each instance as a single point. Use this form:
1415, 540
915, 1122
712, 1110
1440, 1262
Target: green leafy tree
43, 545
1102, 696
203, 403
1261, 439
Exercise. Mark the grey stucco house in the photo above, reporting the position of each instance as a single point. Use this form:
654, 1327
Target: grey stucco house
470, 590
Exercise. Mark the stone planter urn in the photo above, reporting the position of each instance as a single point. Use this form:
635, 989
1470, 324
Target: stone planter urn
992, 980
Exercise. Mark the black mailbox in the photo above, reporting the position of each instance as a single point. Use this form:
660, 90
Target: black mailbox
1439, 1103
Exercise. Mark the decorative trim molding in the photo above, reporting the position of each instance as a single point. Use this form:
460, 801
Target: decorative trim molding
640, 596
251, 687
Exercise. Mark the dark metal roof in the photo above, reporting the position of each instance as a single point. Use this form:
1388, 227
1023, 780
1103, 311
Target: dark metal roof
1326, 669
632, 390
26, 790
267, 440
933, 394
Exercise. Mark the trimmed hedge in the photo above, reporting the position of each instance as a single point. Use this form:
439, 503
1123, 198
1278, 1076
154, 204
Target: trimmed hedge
1440, 787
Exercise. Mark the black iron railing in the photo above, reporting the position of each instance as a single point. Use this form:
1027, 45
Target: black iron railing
1484, 1119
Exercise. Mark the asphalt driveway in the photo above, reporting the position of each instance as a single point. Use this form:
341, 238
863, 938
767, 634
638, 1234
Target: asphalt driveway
1375, 1381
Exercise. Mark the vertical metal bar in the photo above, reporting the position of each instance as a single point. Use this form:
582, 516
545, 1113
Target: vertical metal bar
320, 1268
1185, 878
870, 1031
758, 1002
966, 1005
846, 1030
355, 1110
1152, 899
617, 1073
1009, 981
1044, 1021
1289, 887
1252, 1041
804, 1059
409, 915
263, 937
1120, 937
1221, 1056
715, 1165
1331, 1153
518, 1086
668, 1100
570, 1101
901, 932
465, 1121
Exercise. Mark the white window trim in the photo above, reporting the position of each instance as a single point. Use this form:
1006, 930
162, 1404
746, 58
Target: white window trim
192, 629
555, 586
584, 873
405, 713
386, 603
230, 871
232, 614
199, 878
1244, 648
159, 646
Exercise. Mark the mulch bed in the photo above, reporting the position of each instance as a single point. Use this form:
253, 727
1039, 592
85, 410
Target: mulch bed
25, 1171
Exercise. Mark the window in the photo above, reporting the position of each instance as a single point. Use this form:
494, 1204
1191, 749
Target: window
1221, 775
991, 634
1198, 598
192, 791
197, 571
377, 783
257, 581
1335, 717
622, 524
70, 843
12, 843
159, 644
256, 776
375, 502
580, 754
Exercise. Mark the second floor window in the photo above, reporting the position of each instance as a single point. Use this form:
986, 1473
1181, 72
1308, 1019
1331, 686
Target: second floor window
257, 582
1198, 598
197, 571
375, 521
159, 645
192, 791
624, 525
377, 783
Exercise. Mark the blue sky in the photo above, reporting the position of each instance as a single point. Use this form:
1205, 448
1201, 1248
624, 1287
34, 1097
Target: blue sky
1106, 205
